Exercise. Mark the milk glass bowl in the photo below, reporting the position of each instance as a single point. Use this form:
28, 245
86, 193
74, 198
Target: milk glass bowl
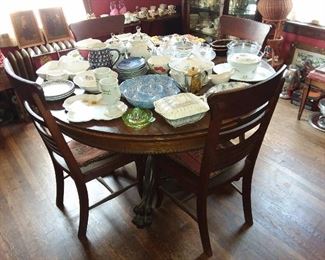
244, 56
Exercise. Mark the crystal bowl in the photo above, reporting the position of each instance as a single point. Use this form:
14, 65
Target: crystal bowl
142, 91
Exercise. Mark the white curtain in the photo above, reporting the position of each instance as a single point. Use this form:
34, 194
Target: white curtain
74, 11
308, 11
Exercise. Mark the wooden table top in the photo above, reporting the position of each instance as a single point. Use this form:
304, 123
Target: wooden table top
114, 135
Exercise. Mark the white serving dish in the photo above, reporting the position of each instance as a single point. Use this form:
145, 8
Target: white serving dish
86, 107
263, 71
181, 109
70, 66
87, 80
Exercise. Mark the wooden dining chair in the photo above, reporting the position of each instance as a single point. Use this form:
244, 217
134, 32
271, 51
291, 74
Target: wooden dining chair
80, 162
99, 28
239, 119
244, 29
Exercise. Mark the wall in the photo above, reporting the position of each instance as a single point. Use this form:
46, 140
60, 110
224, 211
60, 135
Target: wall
302, 33
102, 6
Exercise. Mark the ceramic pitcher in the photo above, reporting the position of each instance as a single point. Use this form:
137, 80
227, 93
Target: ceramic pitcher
103, 58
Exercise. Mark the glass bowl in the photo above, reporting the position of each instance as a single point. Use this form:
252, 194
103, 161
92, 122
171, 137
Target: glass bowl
142, 91
244, 56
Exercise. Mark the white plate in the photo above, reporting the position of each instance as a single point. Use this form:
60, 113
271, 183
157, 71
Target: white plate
57, 89
83, 108
263, 71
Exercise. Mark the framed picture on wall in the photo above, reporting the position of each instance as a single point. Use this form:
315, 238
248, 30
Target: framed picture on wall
54, 24
303, 53
26, 29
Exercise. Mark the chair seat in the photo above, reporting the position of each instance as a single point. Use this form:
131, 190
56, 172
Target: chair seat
85, 154
191, 161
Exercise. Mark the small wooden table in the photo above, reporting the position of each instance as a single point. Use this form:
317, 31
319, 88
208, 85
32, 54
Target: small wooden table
313, 79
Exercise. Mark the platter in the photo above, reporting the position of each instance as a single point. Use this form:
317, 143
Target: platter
263, 71
86, 107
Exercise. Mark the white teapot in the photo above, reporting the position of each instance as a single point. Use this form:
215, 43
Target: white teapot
140, 45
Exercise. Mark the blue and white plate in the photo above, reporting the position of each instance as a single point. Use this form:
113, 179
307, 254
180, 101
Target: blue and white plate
142, 91
131, 64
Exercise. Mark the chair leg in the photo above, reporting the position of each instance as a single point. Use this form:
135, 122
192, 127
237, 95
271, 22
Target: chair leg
201, 208
246, 196
84, 209
59, 185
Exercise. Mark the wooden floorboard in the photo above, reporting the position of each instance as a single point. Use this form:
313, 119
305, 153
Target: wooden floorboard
288, 206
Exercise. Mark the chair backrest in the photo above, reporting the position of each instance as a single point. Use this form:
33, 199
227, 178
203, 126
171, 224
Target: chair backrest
99, 28
241, 116
244, 29
32, 96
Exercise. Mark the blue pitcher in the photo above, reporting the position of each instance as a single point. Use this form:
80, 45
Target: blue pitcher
103, 58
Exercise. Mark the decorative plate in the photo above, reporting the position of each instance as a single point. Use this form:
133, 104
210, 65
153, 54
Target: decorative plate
130, 64
226, 86
142, 91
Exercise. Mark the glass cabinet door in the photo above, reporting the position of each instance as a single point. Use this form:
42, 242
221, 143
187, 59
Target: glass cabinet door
204, 17
243, 8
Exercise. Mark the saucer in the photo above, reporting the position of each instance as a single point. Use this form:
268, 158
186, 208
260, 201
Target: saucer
263, 71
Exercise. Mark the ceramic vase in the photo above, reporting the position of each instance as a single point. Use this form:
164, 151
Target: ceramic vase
274, 9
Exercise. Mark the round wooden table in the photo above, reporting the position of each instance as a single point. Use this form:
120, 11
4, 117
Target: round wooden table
157, 138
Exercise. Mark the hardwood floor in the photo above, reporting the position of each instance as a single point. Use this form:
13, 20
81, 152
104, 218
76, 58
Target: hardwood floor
288, 206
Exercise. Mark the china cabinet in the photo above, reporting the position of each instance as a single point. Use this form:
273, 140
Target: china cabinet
201, 17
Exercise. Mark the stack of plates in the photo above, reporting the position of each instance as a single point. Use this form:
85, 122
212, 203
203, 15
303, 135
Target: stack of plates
57, 89
131, 67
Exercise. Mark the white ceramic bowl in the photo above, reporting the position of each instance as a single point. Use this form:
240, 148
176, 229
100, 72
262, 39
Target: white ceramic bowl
56, 74
87, 81
222, 77
159, 64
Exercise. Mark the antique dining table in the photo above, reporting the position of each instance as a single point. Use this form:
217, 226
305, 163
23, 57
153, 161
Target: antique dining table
156, 138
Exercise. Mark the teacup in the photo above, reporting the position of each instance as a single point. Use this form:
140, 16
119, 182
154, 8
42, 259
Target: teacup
142, 14
152, 13
161, 11
102, 72
134, 17
163, 6
110, 90
159, 64
171, 8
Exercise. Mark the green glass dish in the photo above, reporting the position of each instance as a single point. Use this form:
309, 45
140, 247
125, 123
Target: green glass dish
138, 118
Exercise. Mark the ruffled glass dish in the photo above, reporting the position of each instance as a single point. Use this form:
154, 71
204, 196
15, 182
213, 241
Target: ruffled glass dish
138, 118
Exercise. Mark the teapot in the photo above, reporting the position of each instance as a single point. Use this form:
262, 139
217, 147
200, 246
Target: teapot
191, 73
140, 46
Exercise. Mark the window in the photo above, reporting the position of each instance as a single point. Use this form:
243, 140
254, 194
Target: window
308, 11
74, 10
